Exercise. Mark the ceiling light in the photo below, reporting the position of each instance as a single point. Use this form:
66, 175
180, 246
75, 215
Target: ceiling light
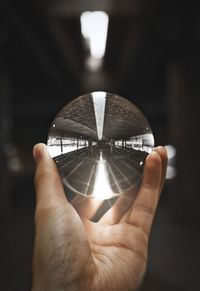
94, 28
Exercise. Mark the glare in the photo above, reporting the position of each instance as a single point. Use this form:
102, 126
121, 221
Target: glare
94, 28
102, 189
171, 151
171, 172
171, 167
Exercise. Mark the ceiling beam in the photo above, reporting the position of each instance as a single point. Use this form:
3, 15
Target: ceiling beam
66, 8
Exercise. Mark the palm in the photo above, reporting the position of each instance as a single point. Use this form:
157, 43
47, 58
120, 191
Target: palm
118, 249
73, 253
102, 256
119, 253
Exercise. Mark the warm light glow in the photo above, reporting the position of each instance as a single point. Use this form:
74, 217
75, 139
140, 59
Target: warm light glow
102, 189
94, 28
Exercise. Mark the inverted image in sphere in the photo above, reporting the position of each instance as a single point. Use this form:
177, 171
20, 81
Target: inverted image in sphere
99, 142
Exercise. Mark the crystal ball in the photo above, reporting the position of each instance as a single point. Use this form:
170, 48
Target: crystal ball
99, 142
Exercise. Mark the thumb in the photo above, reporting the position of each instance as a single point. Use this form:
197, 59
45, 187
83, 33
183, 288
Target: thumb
48, 185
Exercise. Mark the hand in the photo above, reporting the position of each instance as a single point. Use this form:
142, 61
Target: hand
71, 253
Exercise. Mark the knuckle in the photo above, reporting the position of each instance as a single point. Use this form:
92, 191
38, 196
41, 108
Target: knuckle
44, 212
140, 206
149, 186
45, 173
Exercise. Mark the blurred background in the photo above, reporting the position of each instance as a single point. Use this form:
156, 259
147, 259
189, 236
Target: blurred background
52, 51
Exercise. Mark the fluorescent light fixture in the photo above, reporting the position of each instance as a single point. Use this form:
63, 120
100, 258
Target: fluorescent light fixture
94, 28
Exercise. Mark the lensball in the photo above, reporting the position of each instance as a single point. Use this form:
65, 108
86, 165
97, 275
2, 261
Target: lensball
99, 142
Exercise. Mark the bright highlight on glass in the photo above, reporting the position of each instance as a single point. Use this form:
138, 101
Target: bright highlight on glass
100, 142
102, 184
94, 28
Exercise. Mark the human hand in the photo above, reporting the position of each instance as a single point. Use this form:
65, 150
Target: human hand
72, 253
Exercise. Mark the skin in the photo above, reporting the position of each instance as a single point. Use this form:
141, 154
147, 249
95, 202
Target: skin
71, 253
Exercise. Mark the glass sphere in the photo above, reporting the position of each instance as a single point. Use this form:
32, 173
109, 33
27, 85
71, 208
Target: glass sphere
99, 142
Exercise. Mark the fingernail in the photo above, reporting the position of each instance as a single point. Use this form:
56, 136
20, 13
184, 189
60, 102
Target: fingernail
40, 151
37, 152
151, 154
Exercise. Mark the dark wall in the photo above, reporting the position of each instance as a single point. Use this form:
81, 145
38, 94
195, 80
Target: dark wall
153, 59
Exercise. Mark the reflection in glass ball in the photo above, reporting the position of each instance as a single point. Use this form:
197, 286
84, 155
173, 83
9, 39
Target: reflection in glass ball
99, 142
